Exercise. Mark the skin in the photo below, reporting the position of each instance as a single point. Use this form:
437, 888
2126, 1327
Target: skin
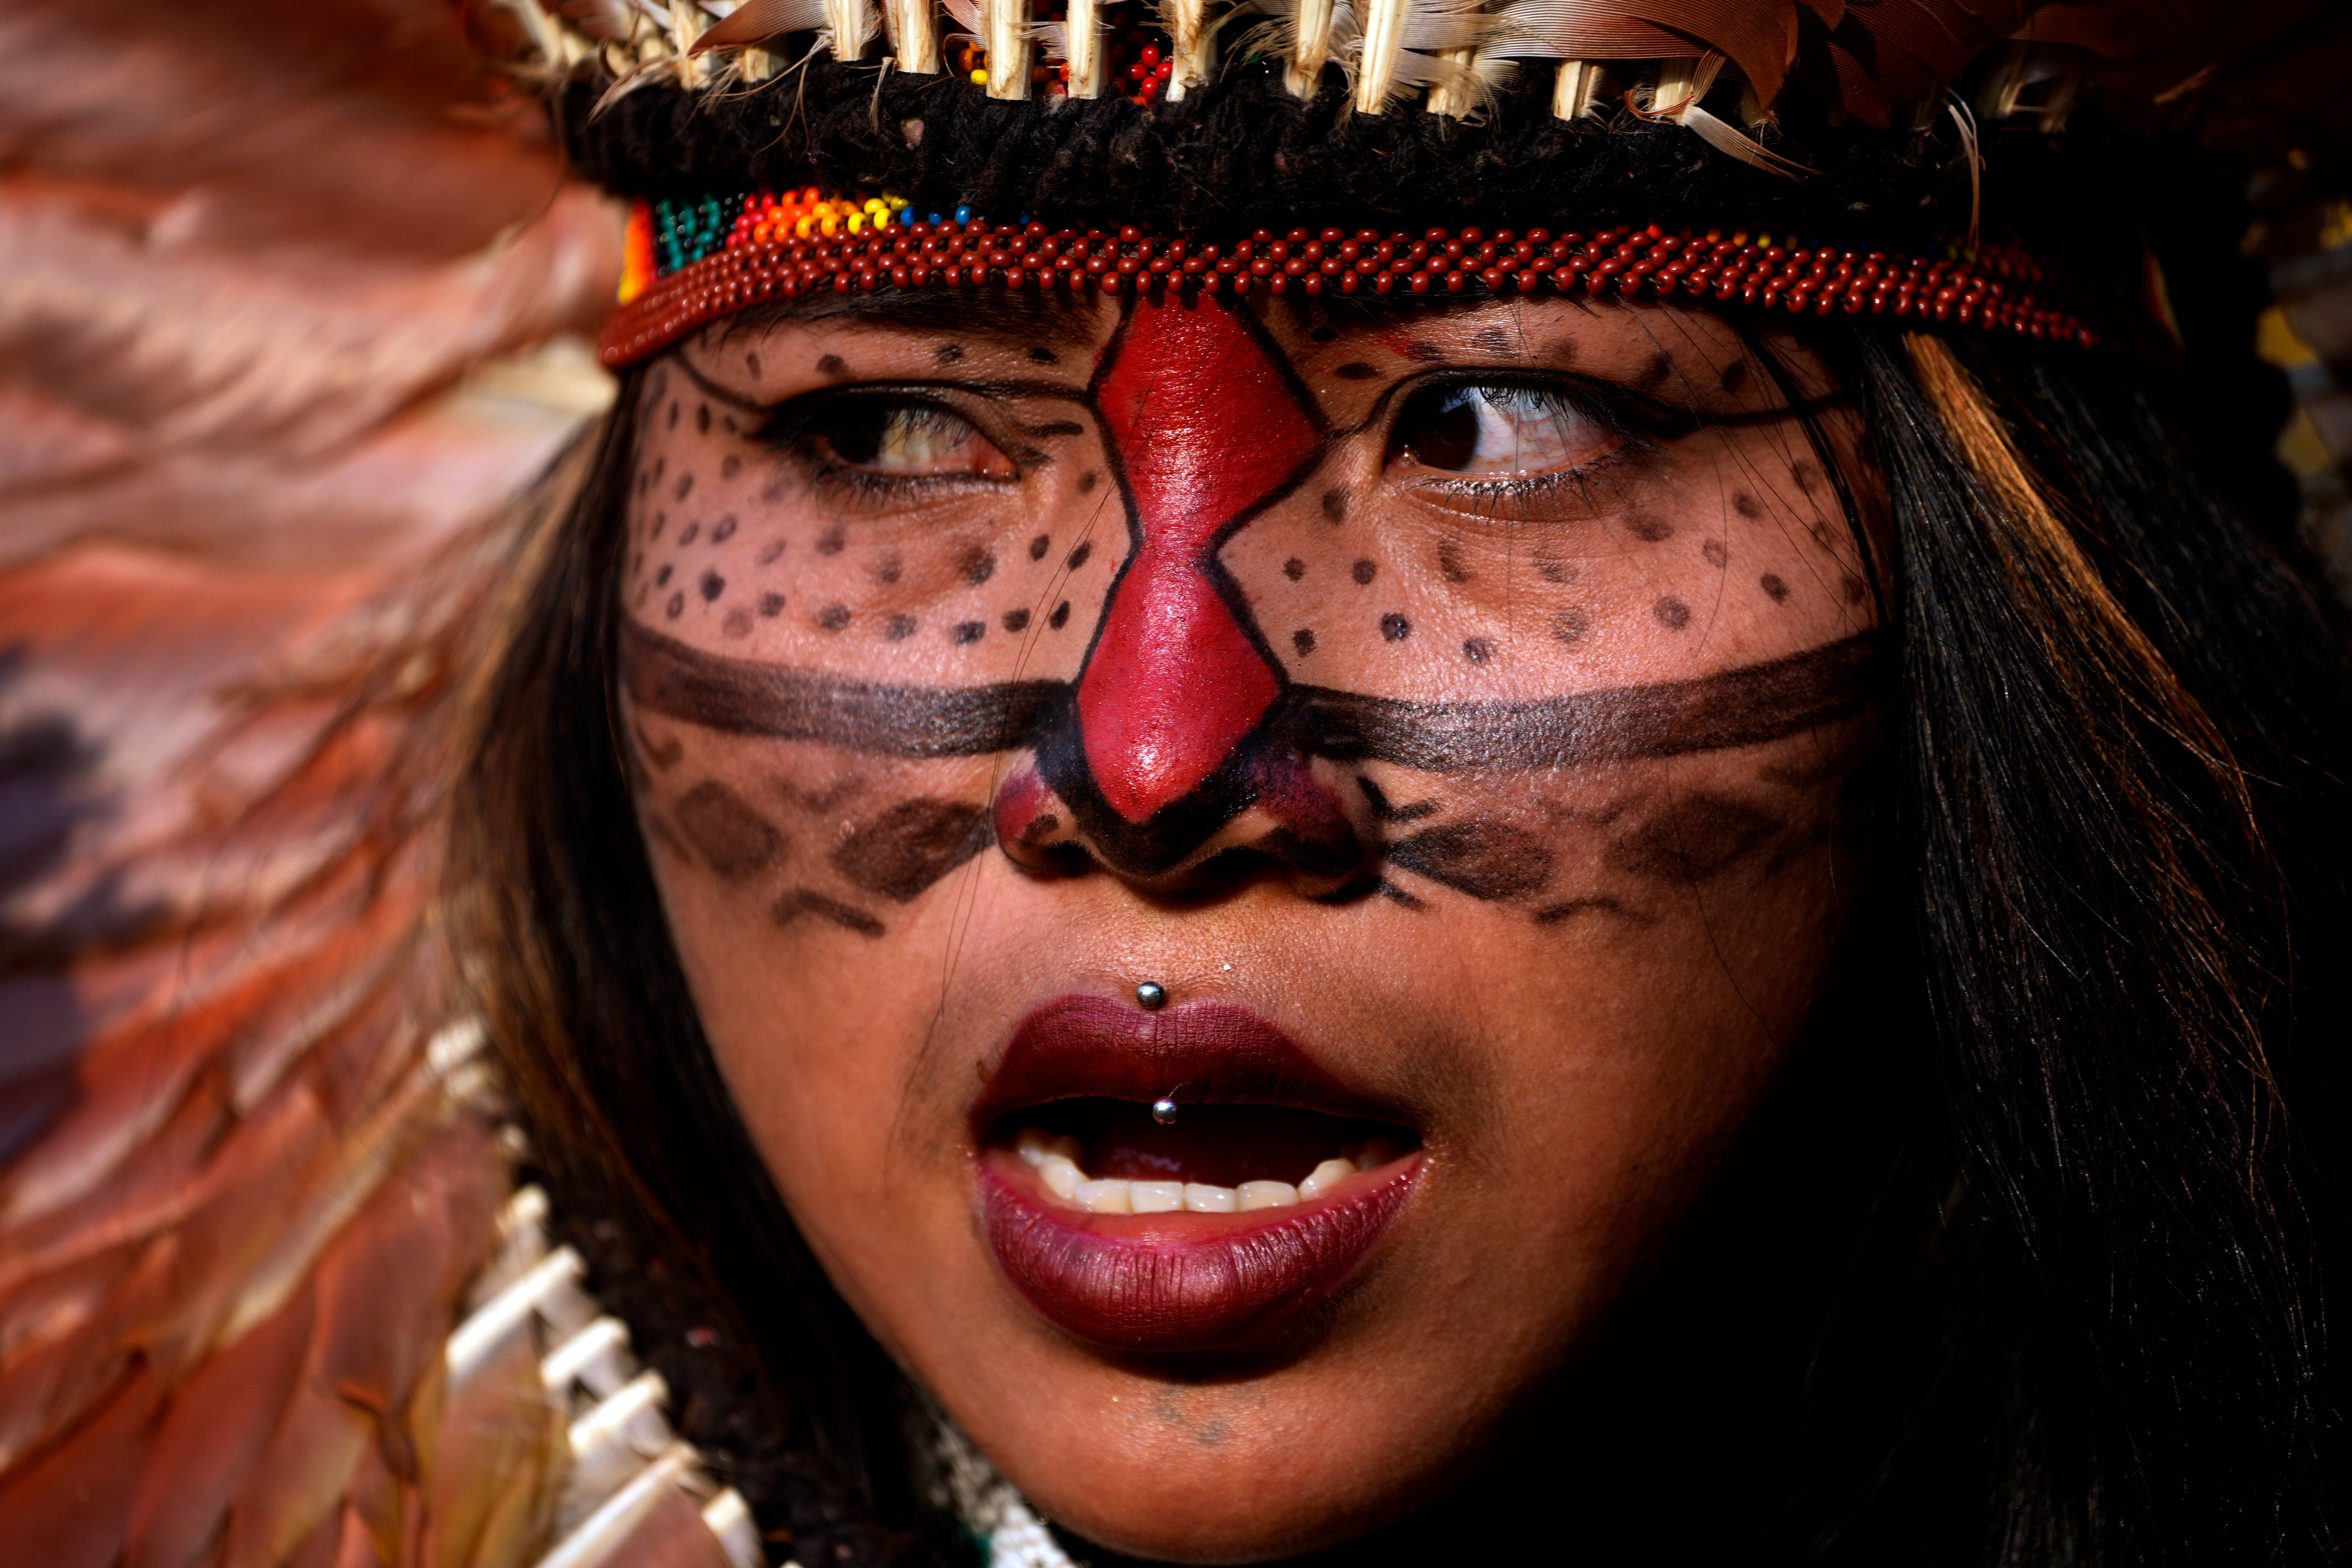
1577, 961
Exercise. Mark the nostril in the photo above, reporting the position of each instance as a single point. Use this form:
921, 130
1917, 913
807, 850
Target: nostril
1034, 826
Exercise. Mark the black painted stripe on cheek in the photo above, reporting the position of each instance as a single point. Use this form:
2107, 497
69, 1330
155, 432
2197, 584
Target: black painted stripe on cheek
1743, 707
1737, 708
738, 697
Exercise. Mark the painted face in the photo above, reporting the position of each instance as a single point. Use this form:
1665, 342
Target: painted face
1451, 714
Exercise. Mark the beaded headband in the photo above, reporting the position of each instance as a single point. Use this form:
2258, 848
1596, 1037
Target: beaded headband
691, 263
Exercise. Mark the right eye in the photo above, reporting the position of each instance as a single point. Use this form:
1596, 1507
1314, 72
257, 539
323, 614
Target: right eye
896, 438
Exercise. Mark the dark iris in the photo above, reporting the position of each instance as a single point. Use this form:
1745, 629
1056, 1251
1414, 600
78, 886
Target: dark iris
1438, 427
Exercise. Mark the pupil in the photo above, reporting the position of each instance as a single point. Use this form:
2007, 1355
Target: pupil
1443, 432
858, 440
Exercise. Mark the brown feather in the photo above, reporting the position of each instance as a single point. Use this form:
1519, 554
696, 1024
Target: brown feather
66, 1507
761, 20
217, 1423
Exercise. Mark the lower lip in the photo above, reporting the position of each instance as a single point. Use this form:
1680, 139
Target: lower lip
1182, 1282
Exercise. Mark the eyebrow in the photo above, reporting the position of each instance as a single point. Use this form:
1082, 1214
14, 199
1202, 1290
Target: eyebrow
1065, 321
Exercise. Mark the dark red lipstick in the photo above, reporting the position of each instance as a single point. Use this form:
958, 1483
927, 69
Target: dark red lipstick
1082, 1068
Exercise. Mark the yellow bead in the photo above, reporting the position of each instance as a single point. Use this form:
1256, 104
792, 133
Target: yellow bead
980, 79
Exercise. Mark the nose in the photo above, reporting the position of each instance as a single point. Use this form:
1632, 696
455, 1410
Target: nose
1172, 759
1207, 428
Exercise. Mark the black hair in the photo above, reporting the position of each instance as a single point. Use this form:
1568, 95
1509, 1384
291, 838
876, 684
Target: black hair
2022, 1264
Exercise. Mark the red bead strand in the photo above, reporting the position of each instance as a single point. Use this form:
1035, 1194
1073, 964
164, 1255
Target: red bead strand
1996, 291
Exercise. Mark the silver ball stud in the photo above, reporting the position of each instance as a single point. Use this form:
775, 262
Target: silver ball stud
1151, 996
1163, 1112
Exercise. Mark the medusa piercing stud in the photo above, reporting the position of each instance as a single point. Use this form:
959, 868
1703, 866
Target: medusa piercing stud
1163, 1112
1151, 996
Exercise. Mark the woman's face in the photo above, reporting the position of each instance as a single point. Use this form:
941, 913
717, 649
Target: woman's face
1447, 714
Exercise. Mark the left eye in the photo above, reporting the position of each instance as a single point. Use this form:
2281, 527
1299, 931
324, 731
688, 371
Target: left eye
1494, 431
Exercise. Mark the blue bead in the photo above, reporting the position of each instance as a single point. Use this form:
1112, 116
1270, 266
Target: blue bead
963, 215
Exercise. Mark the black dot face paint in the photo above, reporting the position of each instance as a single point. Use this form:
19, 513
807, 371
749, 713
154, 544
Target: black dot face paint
1649, 526
1061, 615
831, 364
1774, 589
712, 586
1394, 627
1294, 568
833, 618
1363, 572
1477, 650
1672, 612
898, 629
1303, 640
1714, 552
1016, 620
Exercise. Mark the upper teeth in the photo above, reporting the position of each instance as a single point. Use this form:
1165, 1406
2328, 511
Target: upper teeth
1055, 1158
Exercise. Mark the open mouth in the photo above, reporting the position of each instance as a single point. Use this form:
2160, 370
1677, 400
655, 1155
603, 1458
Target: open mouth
1115, 1157
1187, 1180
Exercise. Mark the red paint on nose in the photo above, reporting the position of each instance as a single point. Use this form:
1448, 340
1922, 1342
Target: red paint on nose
1206, 427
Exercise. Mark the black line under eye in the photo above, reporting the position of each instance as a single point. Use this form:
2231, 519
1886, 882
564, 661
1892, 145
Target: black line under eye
1497, 429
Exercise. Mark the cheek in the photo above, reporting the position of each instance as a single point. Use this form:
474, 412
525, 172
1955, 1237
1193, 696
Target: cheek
1358, 589
805, 890
731, 550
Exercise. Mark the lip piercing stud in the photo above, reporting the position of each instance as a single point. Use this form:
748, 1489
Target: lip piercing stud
1151, 996
1163, 1112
